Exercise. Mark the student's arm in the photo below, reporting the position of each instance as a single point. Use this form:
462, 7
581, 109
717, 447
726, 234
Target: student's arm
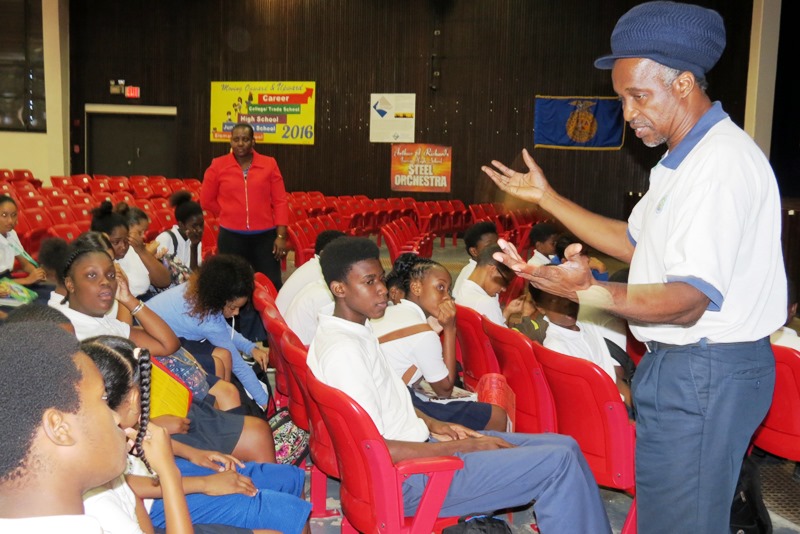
217, 461
159, 274
35, 274
154, 334
218, 334
447, 319
406, 450
223, 483
158, 452
606, 235
209, 190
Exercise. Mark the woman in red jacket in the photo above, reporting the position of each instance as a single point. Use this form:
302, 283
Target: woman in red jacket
245, 191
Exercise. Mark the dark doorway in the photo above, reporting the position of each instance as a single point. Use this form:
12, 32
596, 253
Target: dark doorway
131, 144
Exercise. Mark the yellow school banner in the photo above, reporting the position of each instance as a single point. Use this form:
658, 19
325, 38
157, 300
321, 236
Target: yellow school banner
421, 167
279, 112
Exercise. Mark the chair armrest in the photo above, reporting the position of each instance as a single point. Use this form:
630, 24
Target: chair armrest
429, 465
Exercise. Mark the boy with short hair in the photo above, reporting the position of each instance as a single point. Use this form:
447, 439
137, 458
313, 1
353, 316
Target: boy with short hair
500, 470
542, 238
480, 291
476, 238
58, 437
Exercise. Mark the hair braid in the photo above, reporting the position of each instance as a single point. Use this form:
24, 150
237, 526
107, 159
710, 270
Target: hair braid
145, 372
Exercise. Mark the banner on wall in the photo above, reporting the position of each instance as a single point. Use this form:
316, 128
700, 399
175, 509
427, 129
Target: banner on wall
279, 112
578, 123
391, 117
421, 167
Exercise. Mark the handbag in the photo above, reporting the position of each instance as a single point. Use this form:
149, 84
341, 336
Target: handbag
291, 441
183, 365
179, 272
478, 524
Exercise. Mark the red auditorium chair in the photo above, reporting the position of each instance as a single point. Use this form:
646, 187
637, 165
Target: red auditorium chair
81, 180
60, 181
119, 183
60, 214
99, 187
477, 354
66, 231
141, 190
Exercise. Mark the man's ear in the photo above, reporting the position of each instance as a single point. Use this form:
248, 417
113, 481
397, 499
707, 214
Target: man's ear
57, 428
473, 252
337, 289
685, 82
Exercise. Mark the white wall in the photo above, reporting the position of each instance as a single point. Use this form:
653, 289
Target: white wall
47, 154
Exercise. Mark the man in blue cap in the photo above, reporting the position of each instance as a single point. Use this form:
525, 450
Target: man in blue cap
707, 283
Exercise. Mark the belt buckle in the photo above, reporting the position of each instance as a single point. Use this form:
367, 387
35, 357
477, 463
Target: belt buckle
650, 346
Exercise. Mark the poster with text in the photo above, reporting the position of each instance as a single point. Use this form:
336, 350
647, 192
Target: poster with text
279, 112
391, 117
421, 167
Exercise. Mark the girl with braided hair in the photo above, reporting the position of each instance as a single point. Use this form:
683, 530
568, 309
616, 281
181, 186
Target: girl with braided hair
418, 338
232, 497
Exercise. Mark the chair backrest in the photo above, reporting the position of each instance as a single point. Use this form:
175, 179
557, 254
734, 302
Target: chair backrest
263, 280
369, 490
779, 432
297, 404
536, 410
275, 326
322, 453
478, 357
589, 409
66, 231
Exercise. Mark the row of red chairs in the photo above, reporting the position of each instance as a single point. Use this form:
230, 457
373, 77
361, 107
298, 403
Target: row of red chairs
19, 175
403, 235
303, 234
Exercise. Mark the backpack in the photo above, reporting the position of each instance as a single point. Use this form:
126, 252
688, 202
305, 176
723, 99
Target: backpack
749, 514
291, 441
179, 272
478, 524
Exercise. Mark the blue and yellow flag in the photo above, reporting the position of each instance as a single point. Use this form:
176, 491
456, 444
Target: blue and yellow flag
578, 123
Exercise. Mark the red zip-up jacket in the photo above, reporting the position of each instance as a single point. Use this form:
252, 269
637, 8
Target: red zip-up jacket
257, 203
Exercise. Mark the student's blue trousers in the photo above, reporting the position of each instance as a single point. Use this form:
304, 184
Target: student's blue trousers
547, 468
697, 407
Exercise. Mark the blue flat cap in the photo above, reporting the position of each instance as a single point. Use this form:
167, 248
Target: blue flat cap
680, 36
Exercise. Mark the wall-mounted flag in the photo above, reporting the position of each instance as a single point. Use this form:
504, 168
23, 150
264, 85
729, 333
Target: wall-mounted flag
578, 123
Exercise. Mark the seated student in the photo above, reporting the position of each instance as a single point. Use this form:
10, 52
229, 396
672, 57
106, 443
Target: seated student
138, 224
11, 250
197, 312
301, 315
500, 470
543, 238
58, 437
93, 281
476, 238
184, 240
598, 268
141, 267
305, 274
487, 281
249, 496
415, 351
567, 335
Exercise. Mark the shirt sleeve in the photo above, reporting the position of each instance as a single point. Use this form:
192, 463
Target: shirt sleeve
280, 200
427, 355
209, 190
165, 241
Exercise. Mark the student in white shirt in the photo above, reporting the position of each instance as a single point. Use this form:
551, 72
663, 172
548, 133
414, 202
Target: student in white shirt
543, 238
476, 238
567, 335
306, 274
480, 291
141, 267
185, 239
58, 436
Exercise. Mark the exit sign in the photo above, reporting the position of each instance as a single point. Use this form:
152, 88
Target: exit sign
131, 91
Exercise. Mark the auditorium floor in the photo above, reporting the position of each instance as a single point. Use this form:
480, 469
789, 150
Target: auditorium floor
781, 491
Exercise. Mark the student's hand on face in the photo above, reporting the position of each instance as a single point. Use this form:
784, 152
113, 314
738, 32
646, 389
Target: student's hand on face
516, 305
214, 460
173, 423
262, 357
158, 448
124, 294
531, 186
447, 314
229, 483
136, 242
